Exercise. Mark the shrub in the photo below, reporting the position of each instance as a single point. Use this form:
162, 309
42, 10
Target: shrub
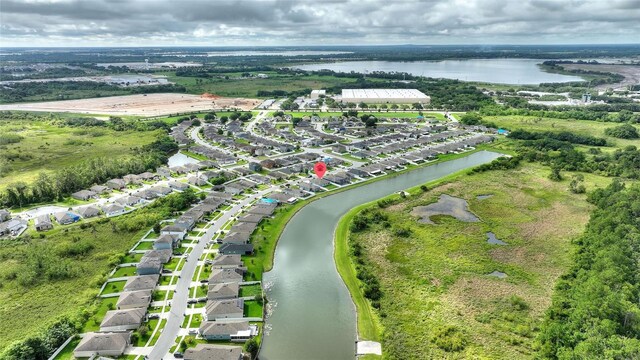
449, 338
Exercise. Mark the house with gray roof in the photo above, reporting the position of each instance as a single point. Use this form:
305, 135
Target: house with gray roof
226, 261
177, 185
236, 238
113, 209
223, 291
103, 343
120, 320
43, 222
228, 330
231, 248
165, 242
13, 227
163, 255
66, 217
99, 189
134, 299
142, 282
129, 200
149, 266
178, 231
88, 211
83, 195
4, 215
219, 276
116, 184
224, 309
213, 352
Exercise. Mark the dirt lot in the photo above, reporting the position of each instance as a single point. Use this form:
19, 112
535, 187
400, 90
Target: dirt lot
144, 105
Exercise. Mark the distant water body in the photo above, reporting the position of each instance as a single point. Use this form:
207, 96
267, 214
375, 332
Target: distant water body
497, 71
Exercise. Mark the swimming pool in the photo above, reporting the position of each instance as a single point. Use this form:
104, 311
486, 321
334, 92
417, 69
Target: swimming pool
269, 200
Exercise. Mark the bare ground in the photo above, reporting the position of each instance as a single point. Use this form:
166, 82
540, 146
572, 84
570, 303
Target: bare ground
141, 105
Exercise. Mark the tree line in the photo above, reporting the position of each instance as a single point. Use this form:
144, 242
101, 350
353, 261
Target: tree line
595, 312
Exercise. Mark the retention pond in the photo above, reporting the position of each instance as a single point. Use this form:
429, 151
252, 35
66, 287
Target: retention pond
312, 314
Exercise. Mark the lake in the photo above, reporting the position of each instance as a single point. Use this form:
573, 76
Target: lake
313, 316
498, 71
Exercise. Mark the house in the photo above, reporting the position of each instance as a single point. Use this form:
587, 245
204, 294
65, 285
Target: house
197, 180
178, 231
99, 189
263, 209
83, 195
251, 218
134, 299
163, 255
132, 179
339, 149
180, 186
223, 291
66, 217
103, 343
113, 210
148, 266
220, 276
230, 248
161, 190
236, 238
129, 200
13, 227
43, 222
147, 176
4, 215
227, 261
143, 282
147, 194
88, 211
268, 164
215, 330
217, 352
116, 184
224, 309
120, 320
243, 227
166, 242
254, 166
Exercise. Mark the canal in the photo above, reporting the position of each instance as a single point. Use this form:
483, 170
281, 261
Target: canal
313, 315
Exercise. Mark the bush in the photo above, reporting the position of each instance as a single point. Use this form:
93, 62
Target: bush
624, 131
449, 338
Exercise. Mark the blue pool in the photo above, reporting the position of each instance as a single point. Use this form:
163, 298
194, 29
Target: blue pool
268, 200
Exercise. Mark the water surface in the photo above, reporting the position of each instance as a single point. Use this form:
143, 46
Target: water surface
500, 71
313, 316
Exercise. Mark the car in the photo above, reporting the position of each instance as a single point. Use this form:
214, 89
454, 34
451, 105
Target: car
178, 355
154, 316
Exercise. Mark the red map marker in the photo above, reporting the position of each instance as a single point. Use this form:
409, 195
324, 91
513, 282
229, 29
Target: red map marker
320, 168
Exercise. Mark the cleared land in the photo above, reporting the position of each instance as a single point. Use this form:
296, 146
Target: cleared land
631, 73
142, 105
439, 301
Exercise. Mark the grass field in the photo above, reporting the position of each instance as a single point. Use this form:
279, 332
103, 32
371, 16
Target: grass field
438, 300
584, 127
46, 147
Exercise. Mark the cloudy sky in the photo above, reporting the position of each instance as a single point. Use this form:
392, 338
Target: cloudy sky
318, 22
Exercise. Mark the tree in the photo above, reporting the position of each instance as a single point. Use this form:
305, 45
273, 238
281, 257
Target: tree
394, 107
416, 106
625, 131
577, 184
251, 347
471, 119
156, 228
362, 105
555, 174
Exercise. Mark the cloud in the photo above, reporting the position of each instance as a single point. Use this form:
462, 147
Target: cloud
288, 22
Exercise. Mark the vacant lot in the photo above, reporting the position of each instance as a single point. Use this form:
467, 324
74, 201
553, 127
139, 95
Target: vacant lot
42, 145
143, 105
439, 300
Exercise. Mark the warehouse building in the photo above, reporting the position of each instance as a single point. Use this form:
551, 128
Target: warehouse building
384, 96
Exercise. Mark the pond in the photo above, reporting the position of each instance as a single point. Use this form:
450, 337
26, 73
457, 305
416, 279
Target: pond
446, 205
499, 71
312, 315
493, 240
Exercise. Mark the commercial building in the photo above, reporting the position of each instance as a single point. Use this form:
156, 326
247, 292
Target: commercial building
384, 96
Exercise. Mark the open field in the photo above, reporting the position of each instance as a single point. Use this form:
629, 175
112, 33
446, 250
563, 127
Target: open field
143, 105
582, 127
47, 146
439, 301
631, 73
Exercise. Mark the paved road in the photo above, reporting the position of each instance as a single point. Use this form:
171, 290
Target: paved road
179, 303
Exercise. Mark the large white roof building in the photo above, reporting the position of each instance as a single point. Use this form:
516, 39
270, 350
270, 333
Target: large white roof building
384, 96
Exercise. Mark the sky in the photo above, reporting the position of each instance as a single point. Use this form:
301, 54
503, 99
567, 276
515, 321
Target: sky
73, 23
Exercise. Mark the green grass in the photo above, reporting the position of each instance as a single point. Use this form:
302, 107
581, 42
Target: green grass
113, 287
145, 245
125, 271
165, 280
583, 127
103, 306
252, 309
173, 264
250, 290
67, 352
48, 147
436, 278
